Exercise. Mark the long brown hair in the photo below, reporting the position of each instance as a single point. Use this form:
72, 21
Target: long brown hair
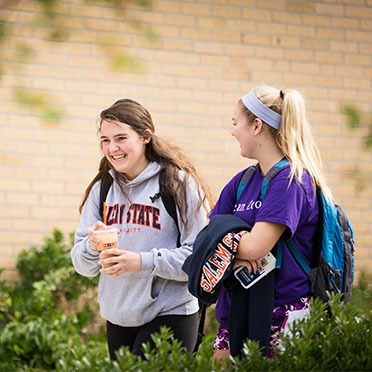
165, 153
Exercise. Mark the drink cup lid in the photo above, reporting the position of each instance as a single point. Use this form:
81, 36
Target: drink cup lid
107, 231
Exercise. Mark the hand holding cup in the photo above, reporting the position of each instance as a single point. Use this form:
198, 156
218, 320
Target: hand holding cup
104, 238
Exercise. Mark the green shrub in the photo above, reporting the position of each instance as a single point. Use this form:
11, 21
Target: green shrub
362, 294
35, 312
334, 338
44, 316
46, 263
168, 355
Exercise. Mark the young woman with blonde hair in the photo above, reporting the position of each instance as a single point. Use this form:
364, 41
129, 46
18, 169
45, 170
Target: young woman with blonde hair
271, 125
142, 286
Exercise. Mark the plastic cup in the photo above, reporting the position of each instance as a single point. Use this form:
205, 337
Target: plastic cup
108, 239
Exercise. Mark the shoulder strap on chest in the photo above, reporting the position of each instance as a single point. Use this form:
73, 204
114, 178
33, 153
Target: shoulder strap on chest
244, 180
168, 201
106, 183
269, 176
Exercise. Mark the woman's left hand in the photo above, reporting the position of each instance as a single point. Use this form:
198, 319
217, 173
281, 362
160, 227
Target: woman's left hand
253, 266
116, 262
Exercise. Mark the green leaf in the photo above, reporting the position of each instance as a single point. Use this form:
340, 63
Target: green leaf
352, 114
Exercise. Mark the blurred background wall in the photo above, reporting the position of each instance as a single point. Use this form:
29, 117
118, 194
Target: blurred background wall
187, 62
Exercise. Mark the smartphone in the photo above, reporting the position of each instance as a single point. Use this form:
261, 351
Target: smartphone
248, 279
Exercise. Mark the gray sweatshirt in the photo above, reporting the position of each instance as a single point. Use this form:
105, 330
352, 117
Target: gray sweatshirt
134, 299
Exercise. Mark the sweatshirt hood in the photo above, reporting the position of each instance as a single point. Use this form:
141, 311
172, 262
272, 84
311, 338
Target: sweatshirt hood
151, 170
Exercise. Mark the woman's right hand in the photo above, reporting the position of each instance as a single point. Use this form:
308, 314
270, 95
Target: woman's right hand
92, 237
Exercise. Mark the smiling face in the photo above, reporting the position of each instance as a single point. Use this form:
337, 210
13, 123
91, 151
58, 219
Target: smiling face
243, 132
124, 148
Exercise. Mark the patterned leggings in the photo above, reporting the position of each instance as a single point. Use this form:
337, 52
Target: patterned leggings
283, 317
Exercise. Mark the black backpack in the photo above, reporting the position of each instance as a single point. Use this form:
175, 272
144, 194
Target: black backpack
170, 206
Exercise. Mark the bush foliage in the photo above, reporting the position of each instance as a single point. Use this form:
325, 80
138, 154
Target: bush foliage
46, 323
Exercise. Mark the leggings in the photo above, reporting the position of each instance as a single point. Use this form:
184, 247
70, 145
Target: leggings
183, 327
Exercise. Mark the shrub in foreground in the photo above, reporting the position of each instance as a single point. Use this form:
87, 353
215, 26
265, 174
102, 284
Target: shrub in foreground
36, 320
336, 337
42, 329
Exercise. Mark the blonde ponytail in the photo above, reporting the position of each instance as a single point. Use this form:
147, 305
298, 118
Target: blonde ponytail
294, 137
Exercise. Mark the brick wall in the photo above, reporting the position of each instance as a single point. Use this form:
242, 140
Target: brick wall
203, 57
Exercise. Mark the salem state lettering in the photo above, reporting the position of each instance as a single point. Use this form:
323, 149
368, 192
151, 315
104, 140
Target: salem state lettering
215, 267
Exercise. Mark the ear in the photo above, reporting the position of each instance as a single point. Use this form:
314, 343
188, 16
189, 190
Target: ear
258, 125
147, 136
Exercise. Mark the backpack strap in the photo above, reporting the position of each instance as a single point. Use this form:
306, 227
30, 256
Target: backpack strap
169, 202
298, 256
295, 253
269, 176
202, 312
106, 182
294, 250
244, 180
278, 253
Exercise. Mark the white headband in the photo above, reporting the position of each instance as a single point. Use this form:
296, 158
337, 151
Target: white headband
257, 108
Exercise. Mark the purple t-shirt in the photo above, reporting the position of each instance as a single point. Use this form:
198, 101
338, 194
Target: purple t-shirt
293, 205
